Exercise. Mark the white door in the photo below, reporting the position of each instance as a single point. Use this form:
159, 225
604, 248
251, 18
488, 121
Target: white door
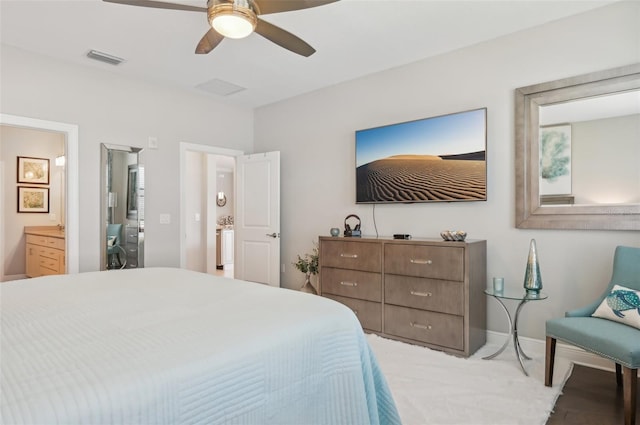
257, 218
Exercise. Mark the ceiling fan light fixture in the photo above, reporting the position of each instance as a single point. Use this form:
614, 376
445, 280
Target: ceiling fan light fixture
233, 20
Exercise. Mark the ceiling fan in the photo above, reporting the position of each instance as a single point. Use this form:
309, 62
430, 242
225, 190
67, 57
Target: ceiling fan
239, 18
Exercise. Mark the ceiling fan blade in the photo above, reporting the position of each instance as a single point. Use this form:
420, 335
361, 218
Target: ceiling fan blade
284, 39
159, 5
276, 6
209, 42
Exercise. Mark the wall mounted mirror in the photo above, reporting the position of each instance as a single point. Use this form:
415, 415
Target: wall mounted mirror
577, 152
122, 207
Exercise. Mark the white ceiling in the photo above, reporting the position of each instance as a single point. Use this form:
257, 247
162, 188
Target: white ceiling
352, 38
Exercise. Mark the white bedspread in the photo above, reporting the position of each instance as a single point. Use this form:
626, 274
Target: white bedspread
169, 346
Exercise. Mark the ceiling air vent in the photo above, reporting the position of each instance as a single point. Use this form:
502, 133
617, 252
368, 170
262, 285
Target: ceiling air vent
220, 87
104, 57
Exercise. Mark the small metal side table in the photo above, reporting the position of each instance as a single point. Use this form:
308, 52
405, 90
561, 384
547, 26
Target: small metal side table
523, 297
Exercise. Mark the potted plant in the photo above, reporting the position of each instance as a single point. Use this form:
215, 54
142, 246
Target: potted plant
309, 266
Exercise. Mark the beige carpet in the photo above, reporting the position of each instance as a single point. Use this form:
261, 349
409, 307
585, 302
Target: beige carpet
431, 387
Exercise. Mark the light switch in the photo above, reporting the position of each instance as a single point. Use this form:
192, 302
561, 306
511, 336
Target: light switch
153, 142
165, 218
197, 216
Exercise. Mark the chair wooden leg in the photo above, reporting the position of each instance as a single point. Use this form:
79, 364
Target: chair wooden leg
549, 360
630, 391
619, 374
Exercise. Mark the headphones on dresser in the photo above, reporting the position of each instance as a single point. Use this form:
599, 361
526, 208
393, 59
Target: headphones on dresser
352, 232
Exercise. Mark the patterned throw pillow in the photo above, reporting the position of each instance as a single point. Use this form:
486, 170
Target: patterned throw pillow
621, 305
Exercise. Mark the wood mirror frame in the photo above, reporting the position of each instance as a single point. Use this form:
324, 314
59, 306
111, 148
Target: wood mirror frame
530, 214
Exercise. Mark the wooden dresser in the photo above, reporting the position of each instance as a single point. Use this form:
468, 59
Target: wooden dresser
427, 292
45, 251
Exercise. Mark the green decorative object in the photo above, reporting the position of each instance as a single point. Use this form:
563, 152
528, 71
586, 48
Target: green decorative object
532, 277
309, 266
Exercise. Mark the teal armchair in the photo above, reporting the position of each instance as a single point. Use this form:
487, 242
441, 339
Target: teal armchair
615, 341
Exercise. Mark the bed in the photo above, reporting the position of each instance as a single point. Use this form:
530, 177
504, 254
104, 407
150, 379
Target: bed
171, 346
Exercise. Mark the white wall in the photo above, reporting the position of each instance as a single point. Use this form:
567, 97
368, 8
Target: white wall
195, 210
609, 146
315, 134
111, 109
31, 143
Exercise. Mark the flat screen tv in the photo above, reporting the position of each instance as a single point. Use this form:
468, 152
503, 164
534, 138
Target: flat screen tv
436, 159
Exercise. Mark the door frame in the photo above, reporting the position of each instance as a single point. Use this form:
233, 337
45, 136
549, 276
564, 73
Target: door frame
204, 149
72, 213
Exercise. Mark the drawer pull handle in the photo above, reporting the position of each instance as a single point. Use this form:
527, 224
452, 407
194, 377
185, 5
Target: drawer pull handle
419, 261
349, 255
419, 326
421, 294
349, 283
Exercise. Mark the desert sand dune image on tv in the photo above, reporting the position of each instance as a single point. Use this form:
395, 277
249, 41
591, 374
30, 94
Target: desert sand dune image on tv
430, 160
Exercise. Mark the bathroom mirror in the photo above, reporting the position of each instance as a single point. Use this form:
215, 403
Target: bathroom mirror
577, 152
122, 207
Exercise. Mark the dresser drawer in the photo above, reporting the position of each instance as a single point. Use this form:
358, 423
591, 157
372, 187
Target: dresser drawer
433, 328
352, 283
57, 243
369, 313
131, 235
49, 265
443, 296
50, 253
46, 271
351, 255
436, 262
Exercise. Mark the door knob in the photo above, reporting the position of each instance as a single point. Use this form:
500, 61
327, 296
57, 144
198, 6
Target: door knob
273, 235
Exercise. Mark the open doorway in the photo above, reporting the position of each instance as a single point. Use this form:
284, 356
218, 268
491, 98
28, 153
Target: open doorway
256, 207
207, 208
63, 177
34, 168
224, 208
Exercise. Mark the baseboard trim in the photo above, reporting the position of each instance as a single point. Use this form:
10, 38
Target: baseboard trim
573, 354
9, 277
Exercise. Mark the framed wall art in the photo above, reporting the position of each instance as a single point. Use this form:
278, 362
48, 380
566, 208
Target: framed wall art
33, 170
555, 160
434, 159
33, 199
